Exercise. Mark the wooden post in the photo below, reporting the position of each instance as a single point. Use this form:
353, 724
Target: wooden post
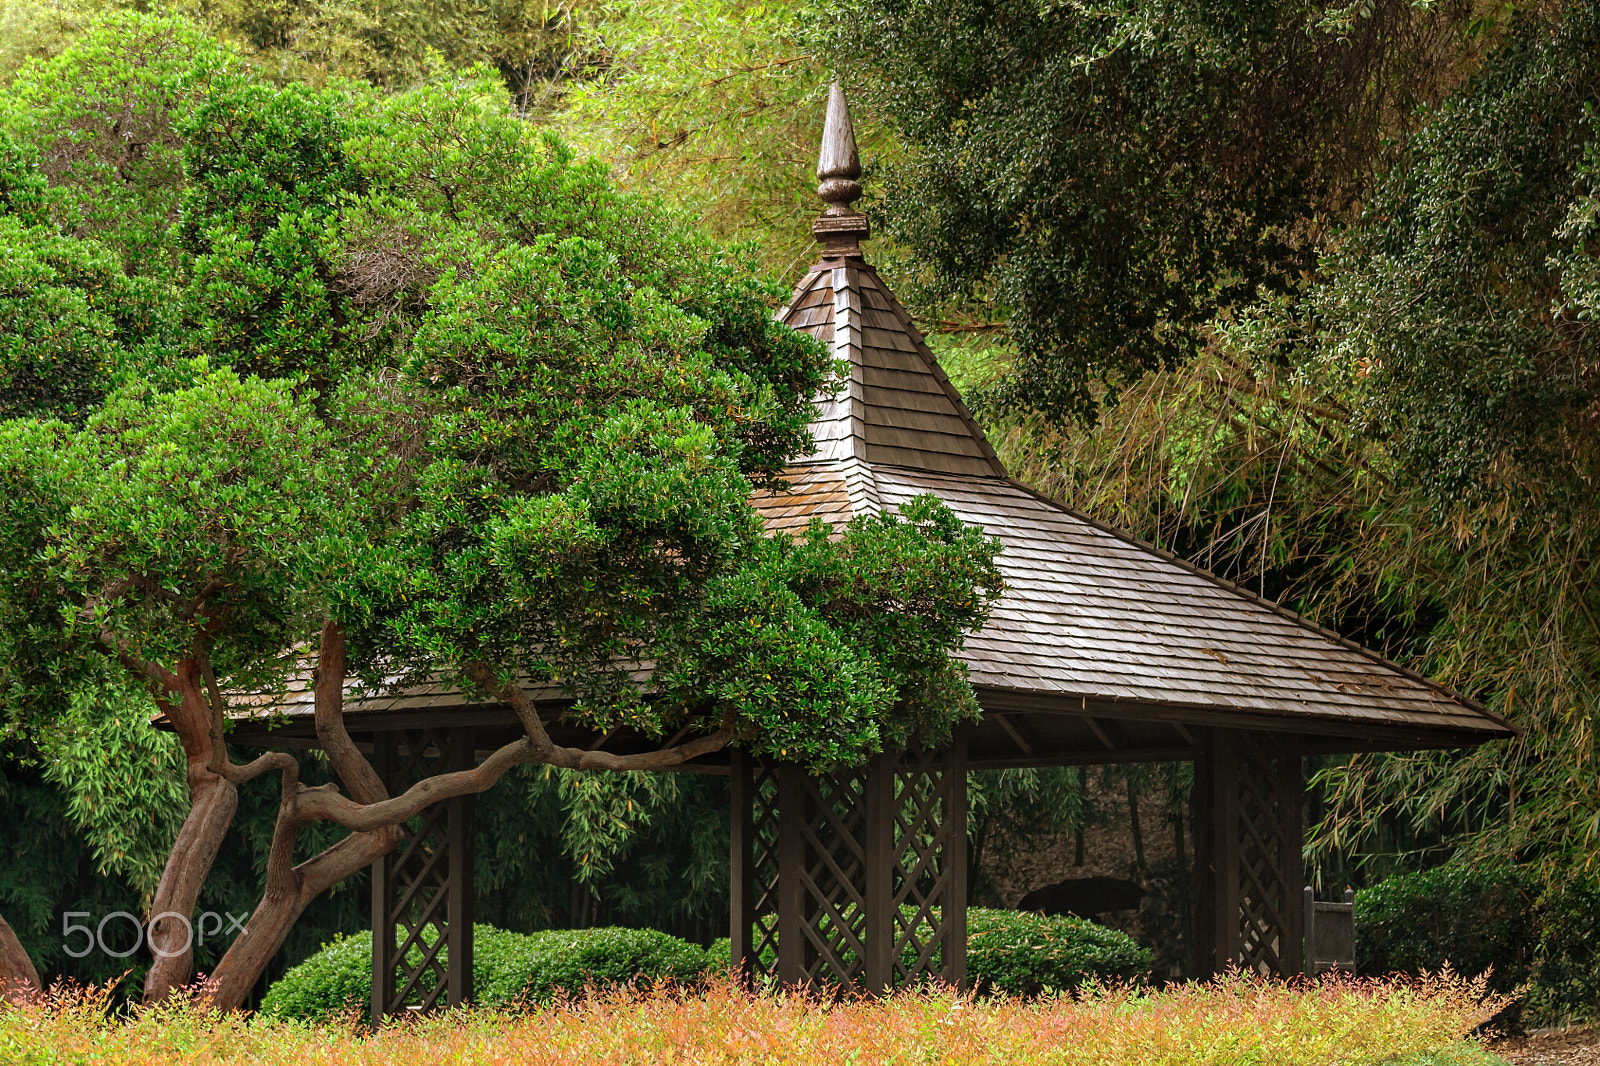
1202, 827
879, 800
955, 857
426, 883
1291, 859
382, 891
1248, 867
792, 910
462, 896
741, 862
1222, 754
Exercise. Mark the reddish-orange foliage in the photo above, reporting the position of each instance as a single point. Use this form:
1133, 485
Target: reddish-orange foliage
1230, 1021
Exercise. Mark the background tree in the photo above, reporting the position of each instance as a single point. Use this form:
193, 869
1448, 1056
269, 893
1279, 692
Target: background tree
1113, 179
1403, 449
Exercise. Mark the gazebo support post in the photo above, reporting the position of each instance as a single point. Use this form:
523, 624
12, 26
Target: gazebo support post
855, 879
422, 892
1249, 871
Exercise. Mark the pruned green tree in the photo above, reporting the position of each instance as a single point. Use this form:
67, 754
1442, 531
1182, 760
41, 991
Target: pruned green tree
448, 404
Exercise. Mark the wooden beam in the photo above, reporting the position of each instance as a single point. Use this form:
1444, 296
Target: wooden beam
1095, 728
1011, 730
1086, 758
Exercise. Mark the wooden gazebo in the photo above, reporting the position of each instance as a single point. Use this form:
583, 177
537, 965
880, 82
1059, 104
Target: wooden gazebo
1103, 649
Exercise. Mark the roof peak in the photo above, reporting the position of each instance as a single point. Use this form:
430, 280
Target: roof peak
896, 408
838, 162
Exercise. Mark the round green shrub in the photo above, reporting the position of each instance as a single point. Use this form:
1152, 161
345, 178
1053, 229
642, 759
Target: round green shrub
1474, 919
507, 968
540, 966
1016, 952
1024, 954
334, 981
338, 979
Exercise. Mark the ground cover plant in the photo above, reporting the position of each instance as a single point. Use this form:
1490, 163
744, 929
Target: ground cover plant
1232, 1020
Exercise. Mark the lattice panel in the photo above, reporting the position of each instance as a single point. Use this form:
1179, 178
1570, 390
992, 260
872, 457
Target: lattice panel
422, 891
1248, 790
763, 877
831, 873
855, 879
920, 879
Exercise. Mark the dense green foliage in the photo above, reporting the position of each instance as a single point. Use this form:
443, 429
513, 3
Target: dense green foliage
1023, 954
1019, 953
1377, 324
337, 980
1567, 974
1116, 178
1402, 449
389, 45
509, 970
537, 968
1474, 920
542, 409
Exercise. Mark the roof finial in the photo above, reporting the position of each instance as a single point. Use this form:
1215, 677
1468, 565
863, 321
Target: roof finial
840, 228
838, 164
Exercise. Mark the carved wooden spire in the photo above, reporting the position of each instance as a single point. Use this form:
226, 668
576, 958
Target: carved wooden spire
840, 228
838, 164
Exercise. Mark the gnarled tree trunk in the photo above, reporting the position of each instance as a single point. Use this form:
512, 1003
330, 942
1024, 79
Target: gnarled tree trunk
19, 980
213, 801
192, 701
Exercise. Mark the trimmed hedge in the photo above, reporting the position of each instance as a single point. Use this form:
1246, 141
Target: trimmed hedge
539, 966
508, 969
1020, 953
1472, 919
1008, 952
1024, 954
335, 981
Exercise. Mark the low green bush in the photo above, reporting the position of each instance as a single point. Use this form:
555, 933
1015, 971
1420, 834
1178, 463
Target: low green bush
508, 969
336, 980
1567, 972
1007, 952
540, 966
1018, 953
1024, 954
1473, 919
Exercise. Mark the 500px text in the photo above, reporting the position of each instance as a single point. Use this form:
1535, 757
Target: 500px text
194, 932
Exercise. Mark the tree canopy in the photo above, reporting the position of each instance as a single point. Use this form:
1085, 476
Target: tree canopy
1403, 446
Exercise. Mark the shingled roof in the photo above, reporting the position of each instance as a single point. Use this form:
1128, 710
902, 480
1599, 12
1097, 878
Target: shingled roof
1102, 648
1092, 621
